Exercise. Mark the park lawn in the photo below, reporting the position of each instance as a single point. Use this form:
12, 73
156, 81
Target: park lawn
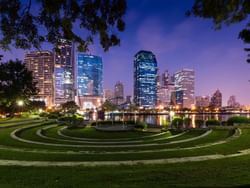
93, 133
230, 172
52, 132
7, 154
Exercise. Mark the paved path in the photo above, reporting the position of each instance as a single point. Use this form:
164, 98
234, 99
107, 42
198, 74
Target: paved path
15, 137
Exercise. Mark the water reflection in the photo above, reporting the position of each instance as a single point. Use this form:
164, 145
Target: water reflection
164, 119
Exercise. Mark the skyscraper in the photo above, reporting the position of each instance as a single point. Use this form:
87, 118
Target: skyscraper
108, 94
202, 101
216, 99
145, 82
184, 86
119, 93
64, 72
89, 80
166, 79
41, 64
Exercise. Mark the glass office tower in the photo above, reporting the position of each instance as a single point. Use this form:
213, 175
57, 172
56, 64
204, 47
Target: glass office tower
64, 72
145, 79
89, 75
89, 81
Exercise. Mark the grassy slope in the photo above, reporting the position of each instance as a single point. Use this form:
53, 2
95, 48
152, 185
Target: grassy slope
196, 174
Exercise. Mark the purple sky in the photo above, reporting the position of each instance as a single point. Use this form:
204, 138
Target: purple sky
178, 42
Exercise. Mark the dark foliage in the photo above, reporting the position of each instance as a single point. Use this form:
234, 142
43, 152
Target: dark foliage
212, 122
16, 83
238, 120
27, 24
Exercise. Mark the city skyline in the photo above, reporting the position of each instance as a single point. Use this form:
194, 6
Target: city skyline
177, 43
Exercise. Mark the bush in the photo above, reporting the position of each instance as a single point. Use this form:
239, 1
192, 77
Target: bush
43, 114
54, 115
212, 122
187, 121
72, 121
238, 120
199, 123
177, 122
141, 125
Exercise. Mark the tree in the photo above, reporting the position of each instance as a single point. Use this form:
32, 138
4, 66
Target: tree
70, 107
108, 106
16, 84
27, 24
225, 12
36, 105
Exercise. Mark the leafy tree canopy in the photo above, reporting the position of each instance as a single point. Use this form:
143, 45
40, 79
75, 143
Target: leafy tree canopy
16, 83
109, 106
28, 23
70, 107
224, 12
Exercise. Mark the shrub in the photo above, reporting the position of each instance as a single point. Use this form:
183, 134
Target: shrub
141, 125
177, 122
212, 122
43, 114
199, 123
187, 121
238, 120
72, 121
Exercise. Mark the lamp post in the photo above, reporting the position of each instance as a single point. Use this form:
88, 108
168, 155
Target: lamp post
20, 104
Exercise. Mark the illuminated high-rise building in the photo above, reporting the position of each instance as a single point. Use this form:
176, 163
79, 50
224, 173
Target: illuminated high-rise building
119, 93
184, 86
145, 79
64, 72
89, 80
41, 63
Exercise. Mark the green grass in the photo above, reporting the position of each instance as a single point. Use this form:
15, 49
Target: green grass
217, 173
93, 133
229, 172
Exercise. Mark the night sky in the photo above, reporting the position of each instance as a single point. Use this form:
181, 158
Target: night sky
178, 42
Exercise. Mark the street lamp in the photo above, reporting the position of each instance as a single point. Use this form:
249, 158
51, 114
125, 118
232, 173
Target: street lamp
20, 103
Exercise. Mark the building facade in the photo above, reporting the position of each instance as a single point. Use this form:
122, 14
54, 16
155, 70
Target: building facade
41, 63
202, 101
216, 99
232, 102
184, 86
145, 79
64, 72
119, 93
89, 80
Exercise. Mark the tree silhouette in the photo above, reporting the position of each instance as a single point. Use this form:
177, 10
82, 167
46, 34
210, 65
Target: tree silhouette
27, 24
70, 107
225, 12
16, 83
